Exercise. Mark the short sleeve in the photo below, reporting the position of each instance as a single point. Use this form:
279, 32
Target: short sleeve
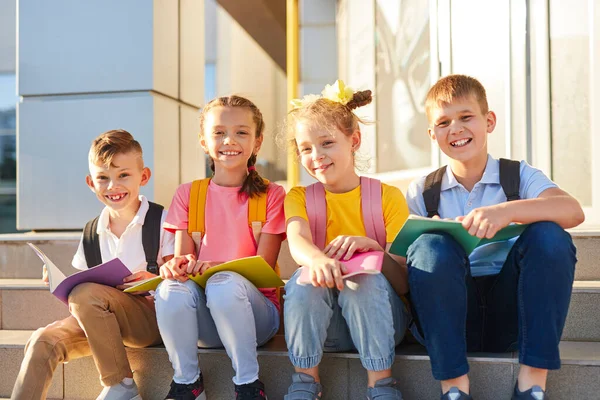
395, 211
295, 203
275, 215
177, 216
414, 197
167, 239
79, 261
533, 182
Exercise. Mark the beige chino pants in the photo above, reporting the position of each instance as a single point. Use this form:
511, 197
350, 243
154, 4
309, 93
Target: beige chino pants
103, 321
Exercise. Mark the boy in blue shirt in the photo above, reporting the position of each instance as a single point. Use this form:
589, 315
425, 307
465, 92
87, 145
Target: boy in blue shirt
506, 295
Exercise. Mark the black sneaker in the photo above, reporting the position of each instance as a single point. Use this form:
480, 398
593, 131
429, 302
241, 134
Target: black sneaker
250, 391
455, 394
535, 393
190, 391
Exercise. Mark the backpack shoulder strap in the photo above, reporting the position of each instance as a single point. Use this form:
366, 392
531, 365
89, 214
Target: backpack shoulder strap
91, 243
372, 209
151, 236
510, 178
316, 210
197, 204
432, 190
257, 212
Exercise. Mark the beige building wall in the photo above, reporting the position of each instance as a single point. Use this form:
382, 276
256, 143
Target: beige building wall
245, 69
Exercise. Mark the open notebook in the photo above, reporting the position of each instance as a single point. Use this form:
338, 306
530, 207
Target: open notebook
110, 273
255, 269
415, 226
361, 263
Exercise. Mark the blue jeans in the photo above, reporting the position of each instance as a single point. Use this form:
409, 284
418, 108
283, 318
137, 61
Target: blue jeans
230, 313
523, 307
367, 316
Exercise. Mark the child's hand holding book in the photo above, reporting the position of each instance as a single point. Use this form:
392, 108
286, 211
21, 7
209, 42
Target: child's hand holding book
176, 268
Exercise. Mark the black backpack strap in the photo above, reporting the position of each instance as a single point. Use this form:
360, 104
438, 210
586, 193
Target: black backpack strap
91, 244
151, 236
510, 178
432, 190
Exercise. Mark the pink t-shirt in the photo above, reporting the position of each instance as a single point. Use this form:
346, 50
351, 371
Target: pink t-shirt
227, 233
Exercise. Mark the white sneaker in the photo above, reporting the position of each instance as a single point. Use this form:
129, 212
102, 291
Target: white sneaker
120, 391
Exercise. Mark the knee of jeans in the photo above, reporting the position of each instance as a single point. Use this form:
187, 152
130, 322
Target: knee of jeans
172, 294
548, 239
364, 286
433, 250
304, 296
437, 254
225, 292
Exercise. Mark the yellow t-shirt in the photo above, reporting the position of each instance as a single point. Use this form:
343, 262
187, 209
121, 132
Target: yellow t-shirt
344, 211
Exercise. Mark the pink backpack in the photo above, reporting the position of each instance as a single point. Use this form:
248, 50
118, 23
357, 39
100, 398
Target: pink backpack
372, 211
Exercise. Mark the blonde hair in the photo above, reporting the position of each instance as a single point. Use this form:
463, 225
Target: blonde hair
254, 183
106, 146
328, 114
452, 87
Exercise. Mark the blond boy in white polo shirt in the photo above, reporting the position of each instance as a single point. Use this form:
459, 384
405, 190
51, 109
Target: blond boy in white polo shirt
104, 319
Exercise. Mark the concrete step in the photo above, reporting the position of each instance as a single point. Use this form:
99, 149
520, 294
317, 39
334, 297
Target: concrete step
12, 345
492, 375
17, 260
28, 304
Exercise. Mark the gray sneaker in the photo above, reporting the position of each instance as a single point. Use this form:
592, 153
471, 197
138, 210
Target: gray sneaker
385, 389
304, 387
455, 394
120, 391
535, 393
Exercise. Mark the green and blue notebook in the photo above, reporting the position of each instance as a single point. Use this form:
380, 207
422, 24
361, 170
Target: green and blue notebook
415, 226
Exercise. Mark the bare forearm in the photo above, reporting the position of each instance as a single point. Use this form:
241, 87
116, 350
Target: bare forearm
564, 210
303, 251
400, 263
184, 244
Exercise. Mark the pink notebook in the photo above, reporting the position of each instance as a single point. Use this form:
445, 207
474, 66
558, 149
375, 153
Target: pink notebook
361, 263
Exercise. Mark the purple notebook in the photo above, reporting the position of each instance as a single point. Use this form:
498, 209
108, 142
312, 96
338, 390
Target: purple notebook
110, 273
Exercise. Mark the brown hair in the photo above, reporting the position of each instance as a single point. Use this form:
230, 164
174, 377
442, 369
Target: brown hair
254, 183
106, 146
329, 114
452, 87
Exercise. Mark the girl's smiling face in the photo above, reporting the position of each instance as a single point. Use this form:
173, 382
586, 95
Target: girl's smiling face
326, 154
229, 136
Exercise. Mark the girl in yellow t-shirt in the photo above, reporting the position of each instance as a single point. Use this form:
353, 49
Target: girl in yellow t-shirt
362, 312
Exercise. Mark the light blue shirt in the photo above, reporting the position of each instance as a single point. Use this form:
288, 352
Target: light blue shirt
456, 201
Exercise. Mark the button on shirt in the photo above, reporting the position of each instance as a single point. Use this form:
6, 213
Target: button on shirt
457, 201
128, 248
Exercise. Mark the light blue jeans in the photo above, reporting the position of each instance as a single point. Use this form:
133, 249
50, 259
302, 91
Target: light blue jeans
367, 316
230, 313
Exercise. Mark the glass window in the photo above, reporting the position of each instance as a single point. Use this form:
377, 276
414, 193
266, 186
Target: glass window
403, 79
570, 96
8, 154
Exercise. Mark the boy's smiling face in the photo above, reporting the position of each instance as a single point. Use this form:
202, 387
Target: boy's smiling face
118, 185
461, 129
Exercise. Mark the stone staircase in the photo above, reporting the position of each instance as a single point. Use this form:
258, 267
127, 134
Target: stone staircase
26, 304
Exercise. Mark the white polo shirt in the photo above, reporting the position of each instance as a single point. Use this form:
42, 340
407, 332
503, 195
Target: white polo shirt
456, 201
128, 248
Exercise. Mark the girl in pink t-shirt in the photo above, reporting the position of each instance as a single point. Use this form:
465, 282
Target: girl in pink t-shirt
230, 312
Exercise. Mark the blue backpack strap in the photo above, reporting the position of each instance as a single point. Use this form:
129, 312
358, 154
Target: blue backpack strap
151, 236
91, 243
432, 190
510, 178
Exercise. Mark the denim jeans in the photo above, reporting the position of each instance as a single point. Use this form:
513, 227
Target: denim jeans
523, 307
367, 316
230, 313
